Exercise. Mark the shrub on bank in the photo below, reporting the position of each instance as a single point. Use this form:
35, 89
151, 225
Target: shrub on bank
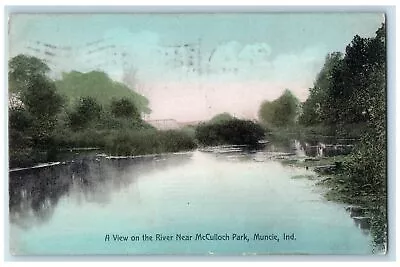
232, 132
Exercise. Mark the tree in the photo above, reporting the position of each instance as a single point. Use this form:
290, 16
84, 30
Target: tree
286, 111
124, 108
19, 140
32, 121
40, 97
22, 68
319, 107
350, 85
281, 112
368, 161
266, 112
342, 93
87, 110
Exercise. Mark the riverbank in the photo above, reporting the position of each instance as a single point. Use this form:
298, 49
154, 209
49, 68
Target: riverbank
365, 205
341, 188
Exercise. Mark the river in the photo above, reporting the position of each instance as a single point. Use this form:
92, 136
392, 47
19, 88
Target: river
247, 199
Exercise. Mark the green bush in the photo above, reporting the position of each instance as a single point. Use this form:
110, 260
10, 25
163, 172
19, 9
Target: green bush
233, 132
367, 164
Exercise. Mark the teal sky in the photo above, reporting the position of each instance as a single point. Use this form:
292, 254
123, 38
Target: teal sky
203, 63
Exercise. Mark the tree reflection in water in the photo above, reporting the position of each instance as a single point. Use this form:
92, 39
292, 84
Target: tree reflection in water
35, 192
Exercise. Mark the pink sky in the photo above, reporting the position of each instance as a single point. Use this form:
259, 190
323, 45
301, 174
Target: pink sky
191, 102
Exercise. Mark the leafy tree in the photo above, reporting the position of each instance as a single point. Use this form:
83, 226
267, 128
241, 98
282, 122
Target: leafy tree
349, 80
352, 89
368, 162
286, 111
124, 108
350, 86
22, 68
40, 97
281, 112
32, 121
319, 106
19, 141
342, 93
266, 112
43, 103
86, 111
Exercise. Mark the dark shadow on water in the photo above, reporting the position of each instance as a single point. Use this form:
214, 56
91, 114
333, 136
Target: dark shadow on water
35, 192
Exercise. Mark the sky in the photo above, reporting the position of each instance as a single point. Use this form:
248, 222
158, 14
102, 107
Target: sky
194, 66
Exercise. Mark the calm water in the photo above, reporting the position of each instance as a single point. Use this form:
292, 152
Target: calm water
70, 208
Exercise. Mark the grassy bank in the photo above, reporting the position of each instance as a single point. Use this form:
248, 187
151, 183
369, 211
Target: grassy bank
148, 142
341, 188
124, 142
116, 142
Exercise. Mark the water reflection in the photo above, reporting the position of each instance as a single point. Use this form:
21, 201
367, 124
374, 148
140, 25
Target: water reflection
221, 189
35, 192
311, 146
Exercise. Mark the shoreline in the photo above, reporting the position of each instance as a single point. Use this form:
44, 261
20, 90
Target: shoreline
366, 207
97, 156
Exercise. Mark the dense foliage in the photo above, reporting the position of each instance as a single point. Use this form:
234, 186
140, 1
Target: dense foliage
349, 90
21, 69
317, 108
86, 111
124, 108
234, 132
33, 113
281, 112
348, 86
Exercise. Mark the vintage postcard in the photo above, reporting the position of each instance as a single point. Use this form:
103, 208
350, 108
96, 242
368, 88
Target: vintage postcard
197, 133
